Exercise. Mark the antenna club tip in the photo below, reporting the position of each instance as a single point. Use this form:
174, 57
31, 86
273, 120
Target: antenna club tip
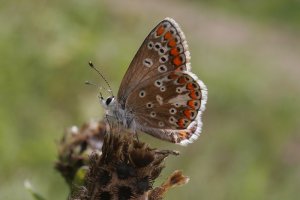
91, 64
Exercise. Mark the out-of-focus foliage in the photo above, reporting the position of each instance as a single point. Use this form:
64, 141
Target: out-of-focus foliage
34, 194
250, 142
276, 11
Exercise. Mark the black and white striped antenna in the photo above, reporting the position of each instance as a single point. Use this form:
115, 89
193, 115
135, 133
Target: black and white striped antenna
98, 86
87, 82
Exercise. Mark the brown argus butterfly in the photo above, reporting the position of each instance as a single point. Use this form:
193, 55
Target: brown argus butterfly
159, 94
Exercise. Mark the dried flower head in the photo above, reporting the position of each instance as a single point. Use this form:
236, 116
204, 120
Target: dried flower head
75, 148
116, 165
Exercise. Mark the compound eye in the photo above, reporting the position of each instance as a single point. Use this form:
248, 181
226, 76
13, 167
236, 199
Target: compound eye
108, 100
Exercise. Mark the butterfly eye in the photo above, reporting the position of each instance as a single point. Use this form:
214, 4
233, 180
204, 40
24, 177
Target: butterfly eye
108, 100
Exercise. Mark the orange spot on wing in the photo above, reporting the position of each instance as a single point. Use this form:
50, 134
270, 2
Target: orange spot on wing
173, 76
177, 61
190, 86
180, 69
172, 43
180, 123
191, 104
181, 80
168, 35
193, 94
160, 30
187, 113
174, 52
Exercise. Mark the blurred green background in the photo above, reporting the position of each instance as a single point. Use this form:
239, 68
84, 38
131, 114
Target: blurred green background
247, 53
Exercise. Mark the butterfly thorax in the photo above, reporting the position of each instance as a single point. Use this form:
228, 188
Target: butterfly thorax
116, 112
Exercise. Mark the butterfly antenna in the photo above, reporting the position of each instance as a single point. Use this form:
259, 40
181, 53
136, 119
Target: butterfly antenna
93, 67
93, 84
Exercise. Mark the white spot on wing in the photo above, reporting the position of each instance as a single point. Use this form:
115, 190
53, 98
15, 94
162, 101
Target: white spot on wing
163, 59
162, 68
147, 62
181, 89
172, 111
161, 124
158, 83
149, 105
172, 120
153, 114
162, 88
150, 45
159, 99
180, 100
157, 46
162, 51
142, 94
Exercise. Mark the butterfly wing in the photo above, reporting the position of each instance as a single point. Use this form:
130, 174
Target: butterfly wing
165, 98
164, 37
170, 110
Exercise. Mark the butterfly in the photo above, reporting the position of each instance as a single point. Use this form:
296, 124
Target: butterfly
159, 95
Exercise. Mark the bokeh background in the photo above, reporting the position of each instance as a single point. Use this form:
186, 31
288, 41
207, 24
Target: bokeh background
247, 53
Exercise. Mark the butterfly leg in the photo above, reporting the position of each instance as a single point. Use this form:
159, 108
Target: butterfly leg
110, 126
136, 135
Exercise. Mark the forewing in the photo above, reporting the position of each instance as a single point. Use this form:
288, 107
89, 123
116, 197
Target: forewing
163, 50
